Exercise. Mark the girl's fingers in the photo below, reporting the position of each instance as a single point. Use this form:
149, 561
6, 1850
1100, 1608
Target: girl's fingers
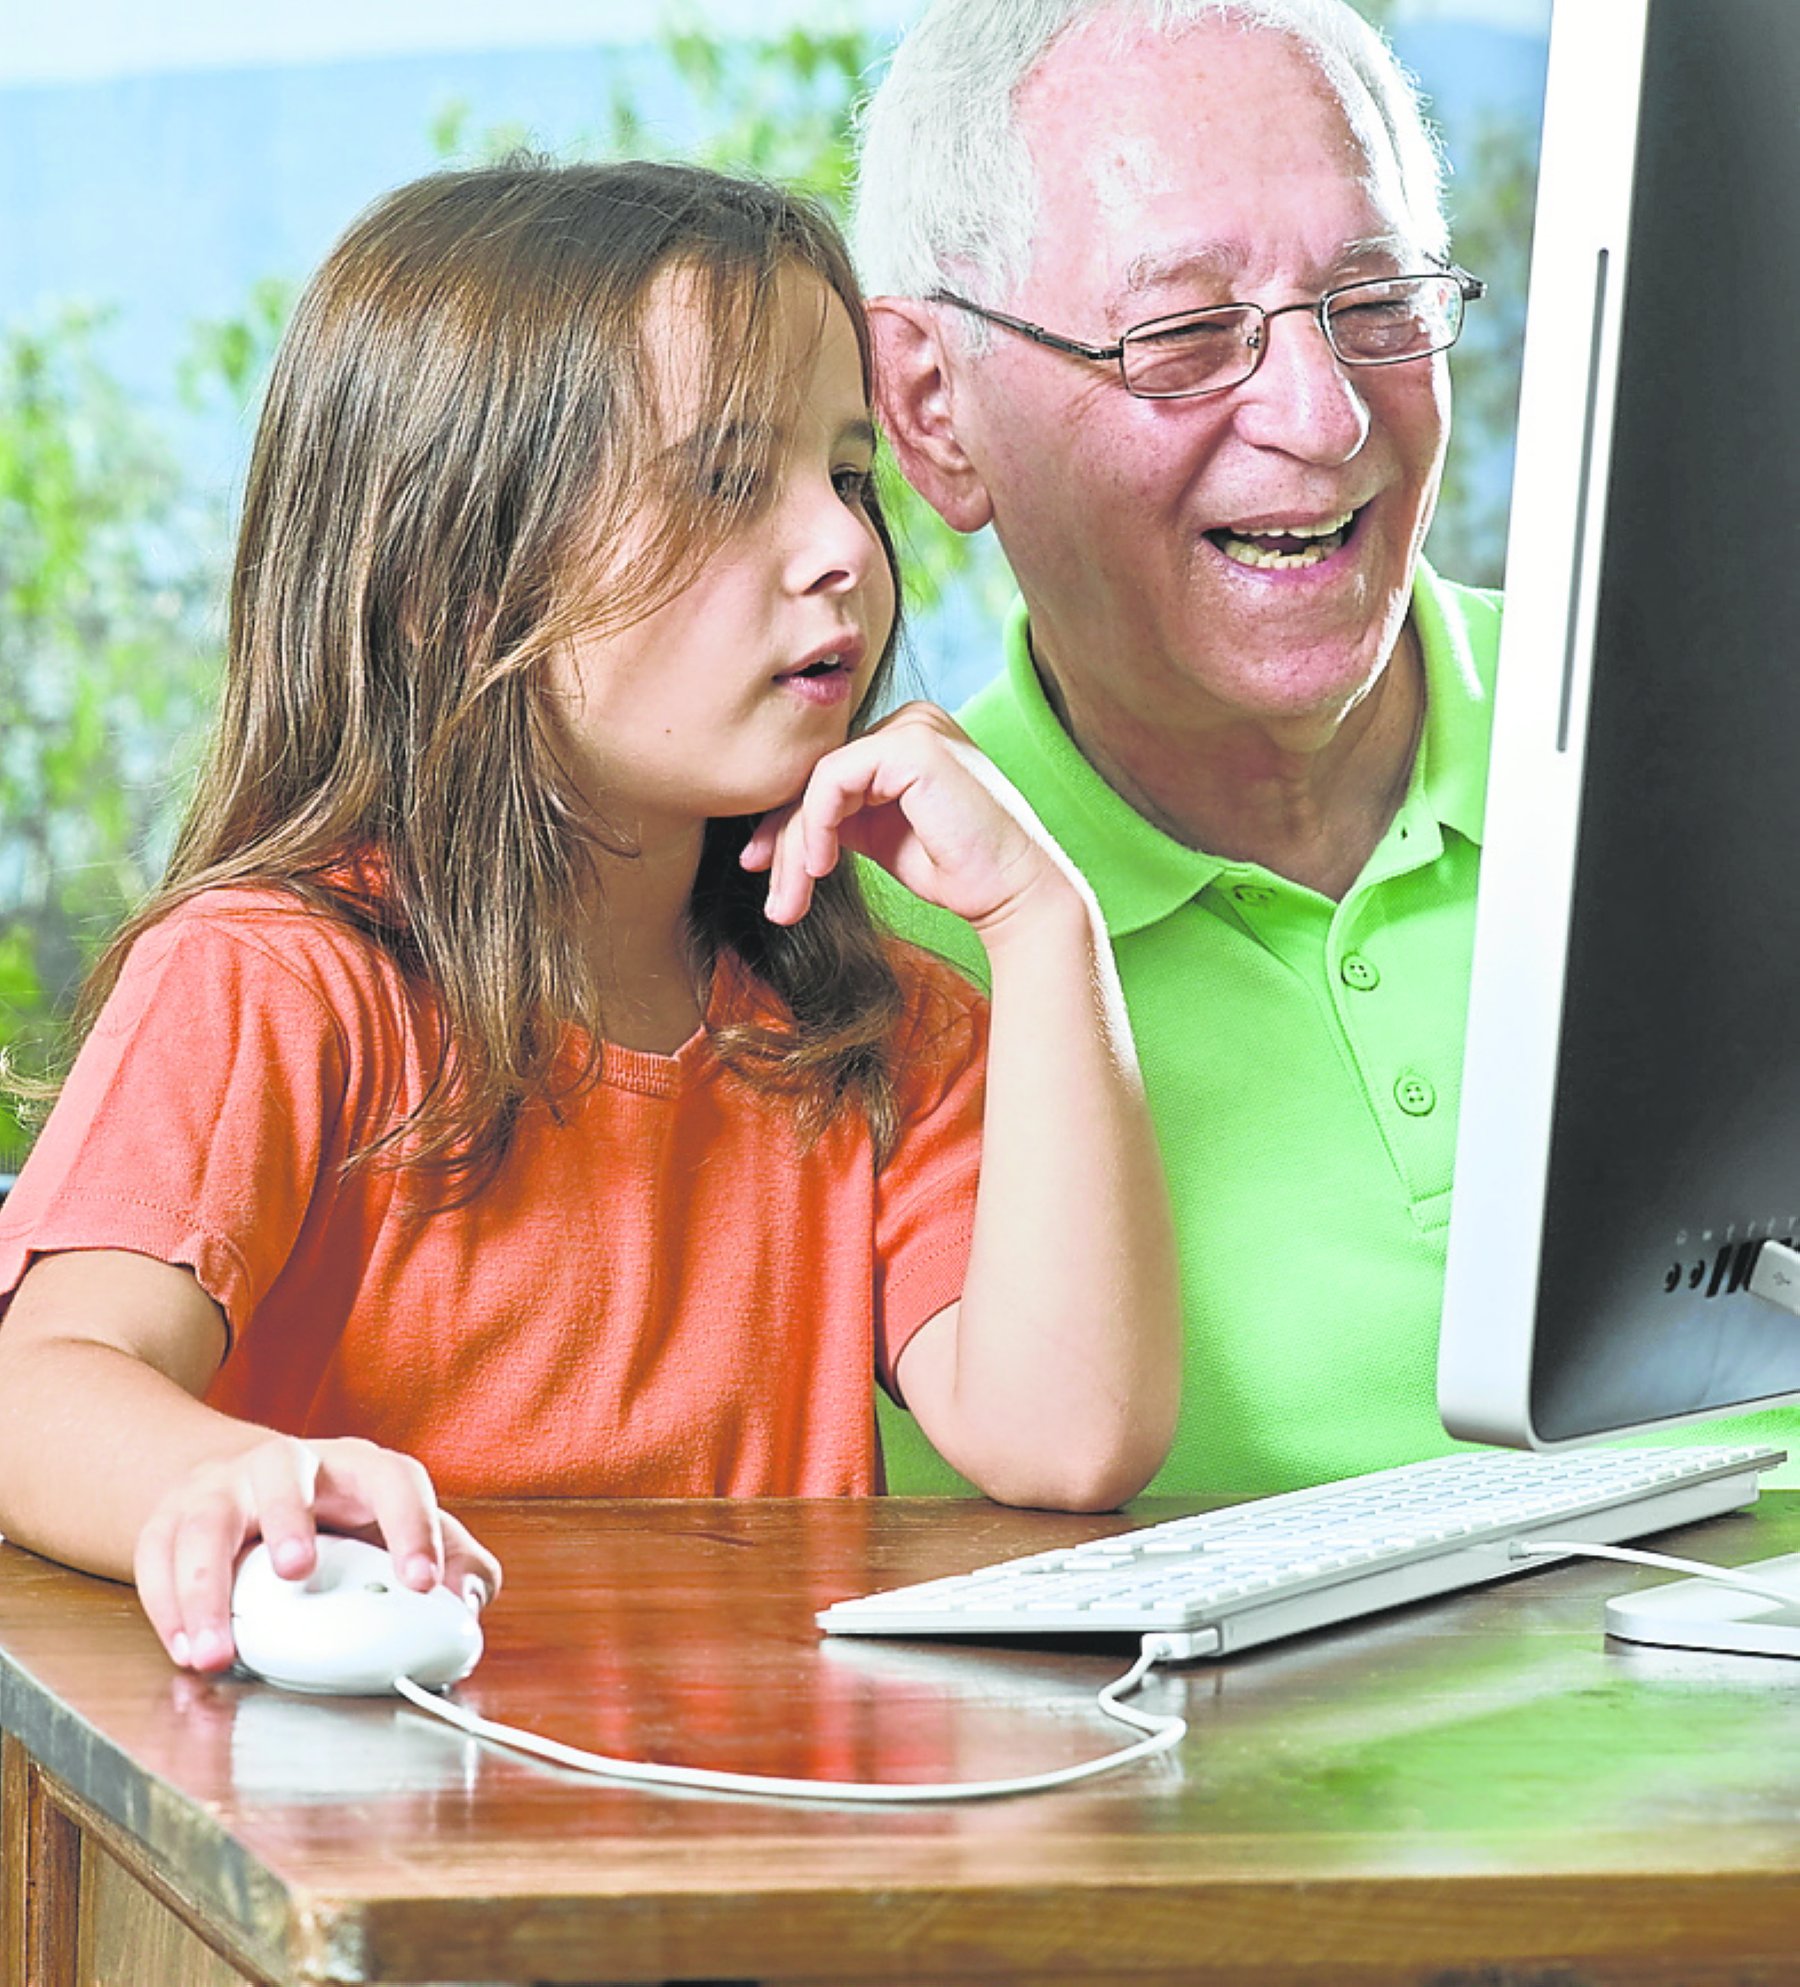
201, 1562
187, 1553
790, 888
283, 1477
790, 881
870, 771
267, 1490
469, 1568
153, 1568
801, 843
856, 776
917, 796
759, 851
395, 1494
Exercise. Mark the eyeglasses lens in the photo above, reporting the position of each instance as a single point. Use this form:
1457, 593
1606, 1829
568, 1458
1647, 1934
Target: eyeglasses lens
1371, 324
1203, 354
1376, 324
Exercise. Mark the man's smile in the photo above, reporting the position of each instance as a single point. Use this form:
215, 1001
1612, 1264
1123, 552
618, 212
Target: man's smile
1285, 544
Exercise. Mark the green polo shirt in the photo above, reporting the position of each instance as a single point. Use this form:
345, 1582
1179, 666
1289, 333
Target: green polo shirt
1302, 1060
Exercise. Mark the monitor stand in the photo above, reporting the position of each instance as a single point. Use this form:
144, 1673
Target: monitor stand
1704, 1614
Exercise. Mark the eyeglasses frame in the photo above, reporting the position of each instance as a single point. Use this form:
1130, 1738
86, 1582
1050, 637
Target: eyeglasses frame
1470, 288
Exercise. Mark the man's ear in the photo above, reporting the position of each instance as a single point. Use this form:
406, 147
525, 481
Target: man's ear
913, 398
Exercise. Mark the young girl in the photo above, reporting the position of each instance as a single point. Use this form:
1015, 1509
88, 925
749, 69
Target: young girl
506, 1093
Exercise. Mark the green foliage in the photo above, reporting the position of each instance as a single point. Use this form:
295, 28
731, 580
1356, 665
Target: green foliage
780, 107
105, 662
1491, 201
232, 354
21, 1001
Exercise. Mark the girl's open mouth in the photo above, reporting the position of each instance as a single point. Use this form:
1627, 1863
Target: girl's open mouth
829, 680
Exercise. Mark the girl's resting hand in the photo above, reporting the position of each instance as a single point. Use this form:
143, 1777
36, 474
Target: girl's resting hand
916, 795
281, 1490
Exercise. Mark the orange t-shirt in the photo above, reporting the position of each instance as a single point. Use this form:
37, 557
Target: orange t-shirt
661, 1294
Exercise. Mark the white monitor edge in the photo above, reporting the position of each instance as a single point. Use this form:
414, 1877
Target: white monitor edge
1534, 785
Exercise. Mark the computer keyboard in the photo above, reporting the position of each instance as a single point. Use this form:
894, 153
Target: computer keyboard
1307, 1559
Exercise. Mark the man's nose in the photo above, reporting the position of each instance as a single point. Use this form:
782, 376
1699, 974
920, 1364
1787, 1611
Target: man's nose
1302, 399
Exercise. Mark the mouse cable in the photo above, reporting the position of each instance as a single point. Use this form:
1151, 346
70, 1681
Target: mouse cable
1663, 1562
1163, 1733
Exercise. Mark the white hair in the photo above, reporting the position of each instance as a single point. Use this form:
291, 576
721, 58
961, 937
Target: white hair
945, 189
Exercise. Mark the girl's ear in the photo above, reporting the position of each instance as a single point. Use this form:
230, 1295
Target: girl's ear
915, 398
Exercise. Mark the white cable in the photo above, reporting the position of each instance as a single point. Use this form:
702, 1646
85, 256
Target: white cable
1663, 1562
1163, 1734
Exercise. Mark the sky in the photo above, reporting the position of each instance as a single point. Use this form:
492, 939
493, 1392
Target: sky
83, 39
90, 38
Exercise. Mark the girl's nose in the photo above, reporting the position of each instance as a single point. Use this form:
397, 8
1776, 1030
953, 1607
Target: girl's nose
835, 548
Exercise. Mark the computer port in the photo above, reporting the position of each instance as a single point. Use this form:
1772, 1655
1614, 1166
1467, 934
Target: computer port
1743, 1261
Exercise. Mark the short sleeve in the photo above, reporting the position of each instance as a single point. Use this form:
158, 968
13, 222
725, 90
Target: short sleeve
203, 1109
925, 1194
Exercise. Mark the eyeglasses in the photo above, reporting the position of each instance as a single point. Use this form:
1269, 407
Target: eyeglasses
1381, 323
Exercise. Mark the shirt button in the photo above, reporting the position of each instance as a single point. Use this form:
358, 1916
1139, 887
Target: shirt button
1414, 1095
1253, 893
1358, 972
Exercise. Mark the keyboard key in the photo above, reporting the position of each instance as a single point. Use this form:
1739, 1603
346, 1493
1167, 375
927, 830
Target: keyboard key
1323, 1555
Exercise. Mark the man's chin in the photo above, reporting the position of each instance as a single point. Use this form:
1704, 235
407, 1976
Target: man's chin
1290, 652
1287, 683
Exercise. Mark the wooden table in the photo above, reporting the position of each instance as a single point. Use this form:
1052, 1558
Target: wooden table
1477, 1791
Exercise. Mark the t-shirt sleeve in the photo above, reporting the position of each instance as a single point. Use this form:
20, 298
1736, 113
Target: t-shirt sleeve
925, 1195
204, 1107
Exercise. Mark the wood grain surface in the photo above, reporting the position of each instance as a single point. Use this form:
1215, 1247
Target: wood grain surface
1480, 1791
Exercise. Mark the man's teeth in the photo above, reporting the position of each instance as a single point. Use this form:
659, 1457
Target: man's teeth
1284, 546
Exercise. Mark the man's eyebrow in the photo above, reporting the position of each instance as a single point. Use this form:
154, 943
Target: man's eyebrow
1393, 245
1154, 266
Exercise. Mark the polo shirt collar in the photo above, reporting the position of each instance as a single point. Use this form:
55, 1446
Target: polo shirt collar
1139, 874
1451, 773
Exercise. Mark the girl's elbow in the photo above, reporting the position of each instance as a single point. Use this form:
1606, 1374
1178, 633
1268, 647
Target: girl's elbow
1078, 1477
1111, 1482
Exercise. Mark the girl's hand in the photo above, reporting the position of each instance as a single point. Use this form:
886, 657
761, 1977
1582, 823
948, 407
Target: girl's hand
281, 1490
917, 796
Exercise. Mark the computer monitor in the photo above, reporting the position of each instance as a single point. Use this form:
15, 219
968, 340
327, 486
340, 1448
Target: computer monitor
1630, 1120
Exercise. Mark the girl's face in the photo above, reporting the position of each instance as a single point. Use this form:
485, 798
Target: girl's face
722, 700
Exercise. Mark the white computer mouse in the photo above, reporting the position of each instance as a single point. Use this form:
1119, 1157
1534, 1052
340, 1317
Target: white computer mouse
351, 1626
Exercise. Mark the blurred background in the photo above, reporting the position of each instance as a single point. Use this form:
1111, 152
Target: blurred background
169, 177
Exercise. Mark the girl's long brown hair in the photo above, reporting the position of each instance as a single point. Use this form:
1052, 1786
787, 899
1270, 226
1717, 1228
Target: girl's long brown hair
461, 419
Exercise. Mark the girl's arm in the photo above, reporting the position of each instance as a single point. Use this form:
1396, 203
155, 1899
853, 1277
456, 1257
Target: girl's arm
109, 1461
1056, 1379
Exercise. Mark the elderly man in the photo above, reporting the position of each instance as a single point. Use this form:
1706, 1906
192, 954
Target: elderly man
1163, 293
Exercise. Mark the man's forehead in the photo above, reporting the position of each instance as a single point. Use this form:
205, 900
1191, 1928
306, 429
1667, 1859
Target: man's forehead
1203, 155
1184, 75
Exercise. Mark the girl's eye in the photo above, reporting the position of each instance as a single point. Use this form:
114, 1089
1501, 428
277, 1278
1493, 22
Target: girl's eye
854, 486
